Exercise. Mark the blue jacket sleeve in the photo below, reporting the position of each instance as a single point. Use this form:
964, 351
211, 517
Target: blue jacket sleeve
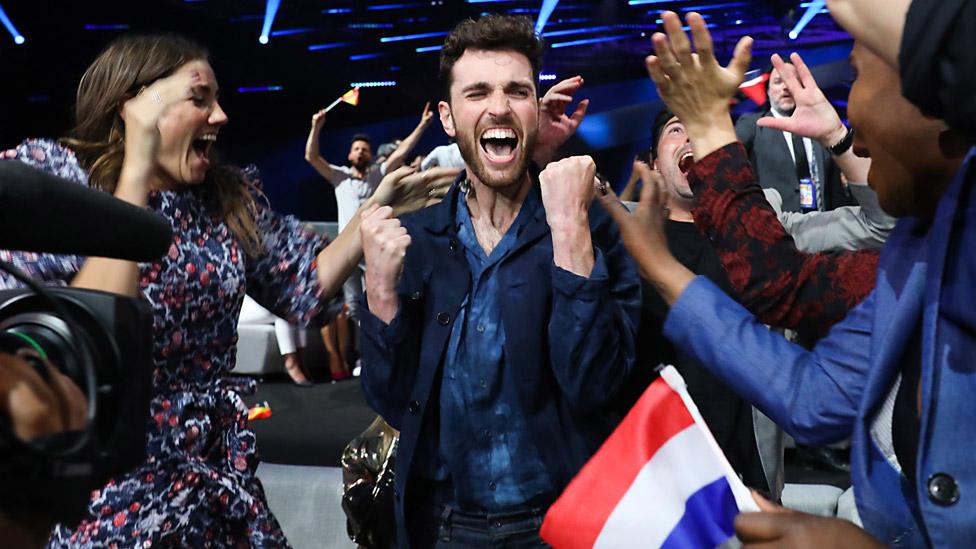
390, 356
813, 395
593, 327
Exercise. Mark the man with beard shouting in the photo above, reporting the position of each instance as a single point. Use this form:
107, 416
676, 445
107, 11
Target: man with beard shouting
501, 320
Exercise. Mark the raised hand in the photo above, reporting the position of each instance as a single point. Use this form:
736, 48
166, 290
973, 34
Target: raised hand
312, 154
814, 116
643, 229
318, 120
780, 527
643, 234
142, 112
637, 169
406, 189
692, 84
385, 244
555, 126
427, 116
568, 187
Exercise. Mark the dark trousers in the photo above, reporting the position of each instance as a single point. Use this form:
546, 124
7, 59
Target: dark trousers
438, 525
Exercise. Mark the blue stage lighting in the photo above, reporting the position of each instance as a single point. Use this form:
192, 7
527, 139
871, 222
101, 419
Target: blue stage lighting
328, 46
412, 36
394, 6
374, 84
361, 56
109, 26
270, 10
287, 32
428, 48
548, 6
18, 38
250, 89
575, 31
590, 41
813, 8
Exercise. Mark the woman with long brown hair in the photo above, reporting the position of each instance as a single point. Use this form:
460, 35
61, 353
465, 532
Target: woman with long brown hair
147, 118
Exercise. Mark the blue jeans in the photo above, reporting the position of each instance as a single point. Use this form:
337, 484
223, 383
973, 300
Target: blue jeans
434, 523
520, 529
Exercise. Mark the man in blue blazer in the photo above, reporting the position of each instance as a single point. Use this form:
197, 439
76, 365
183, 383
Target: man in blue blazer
501, 321
897, 374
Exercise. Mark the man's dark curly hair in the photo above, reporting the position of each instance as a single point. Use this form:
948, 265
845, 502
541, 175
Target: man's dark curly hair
362, 137
492, 33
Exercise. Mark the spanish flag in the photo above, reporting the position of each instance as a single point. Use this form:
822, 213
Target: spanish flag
351, 97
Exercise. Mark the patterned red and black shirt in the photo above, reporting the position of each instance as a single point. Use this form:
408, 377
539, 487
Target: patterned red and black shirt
781, 285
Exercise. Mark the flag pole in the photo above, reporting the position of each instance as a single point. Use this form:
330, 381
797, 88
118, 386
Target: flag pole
333, 104
341, 98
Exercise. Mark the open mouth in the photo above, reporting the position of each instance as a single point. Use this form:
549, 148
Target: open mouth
203, 144
685, 162
499, 144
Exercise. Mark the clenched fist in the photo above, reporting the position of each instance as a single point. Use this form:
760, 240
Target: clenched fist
567, 191
385, 244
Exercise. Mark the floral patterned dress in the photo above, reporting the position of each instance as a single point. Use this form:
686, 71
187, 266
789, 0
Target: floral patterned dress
197, 487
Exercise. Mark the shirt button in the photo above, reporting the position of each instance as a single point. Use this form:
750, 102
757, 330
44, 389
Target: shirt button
491, 486
413, 407
416, 296
943, 489
452, 245
497, 524
486, 434
483, 382
443, 319
481, 328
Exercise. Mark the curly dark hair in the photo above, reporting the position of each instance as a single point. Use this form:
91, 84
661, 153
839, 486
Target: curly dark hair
492, 33
361, 137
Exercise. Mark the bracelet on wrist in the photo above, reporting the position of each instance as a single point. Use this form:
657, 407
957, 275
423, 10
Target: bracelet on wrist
844, 144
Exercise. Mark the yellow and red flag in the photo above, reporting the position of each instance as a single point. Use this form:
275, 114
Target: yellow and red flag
351, 97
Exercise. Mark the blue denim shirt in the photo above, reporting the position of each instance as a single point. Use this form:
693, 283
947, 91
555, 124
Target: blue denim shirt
485, 442
569, 343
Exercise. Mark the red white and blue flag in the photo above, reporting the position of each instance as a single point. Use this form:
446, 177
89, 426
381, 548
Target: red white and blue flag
660, 480
754, 86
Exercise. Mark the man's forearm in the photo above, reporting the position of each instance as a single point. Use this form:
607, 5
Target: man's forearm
403, 150
313, 157
711, 135
572, 248
338, 260
854, 167
383, 301
806, 292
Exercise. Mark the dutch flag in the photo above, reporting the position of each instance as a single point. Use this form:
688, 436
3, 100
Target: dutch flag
660, 480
